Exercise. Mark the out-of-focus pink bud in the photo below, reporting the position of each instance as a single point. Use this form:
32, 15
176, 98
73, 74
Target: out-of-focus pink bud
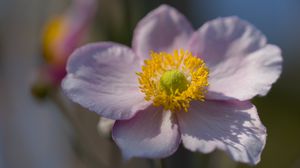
64, 33
61, 35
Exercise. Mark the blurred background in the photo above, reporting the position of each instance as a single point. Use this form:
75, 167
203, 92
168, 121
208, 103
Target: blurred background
35, 133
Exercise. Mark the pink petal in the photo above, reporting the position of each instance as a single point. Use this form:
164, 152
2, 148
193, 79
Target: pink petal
152, 133
101, 77
230, 126
163, 29
242, 65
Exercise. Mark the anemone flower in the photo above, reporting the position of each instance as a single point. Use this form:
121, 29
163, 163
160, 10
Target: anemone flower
178, 84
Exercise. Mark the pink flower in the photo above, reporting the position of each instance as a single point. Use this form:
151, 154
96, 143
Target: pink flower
62, 35
179, 85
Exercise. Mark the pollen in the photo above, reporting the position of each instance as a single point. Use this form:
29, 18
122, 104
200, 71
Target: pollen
173, 80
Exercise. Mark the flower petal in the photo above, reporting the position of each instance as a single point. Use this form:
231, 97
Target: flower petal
242, 65
152, 133
230, 126
101, 77
163, 29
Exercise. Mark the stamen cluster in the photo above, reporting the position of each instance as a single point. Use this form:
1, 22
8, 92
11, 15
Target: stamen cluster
173, 80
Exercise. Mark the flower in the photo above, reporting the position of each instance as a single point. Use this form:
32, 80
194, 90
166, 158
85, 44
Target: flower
178, 84
63, 34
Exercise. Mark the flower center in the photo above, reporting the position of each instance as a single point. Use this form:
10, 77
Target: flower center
173, 80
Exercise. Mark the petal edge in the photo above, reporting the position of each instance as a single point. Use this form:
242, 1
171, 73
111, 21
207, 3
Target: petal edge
152, 133
163, 29
101, 77
233, 127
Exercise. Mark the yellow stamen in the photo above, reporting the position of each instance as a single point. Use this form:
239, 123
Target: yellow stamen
173, 80
54, 33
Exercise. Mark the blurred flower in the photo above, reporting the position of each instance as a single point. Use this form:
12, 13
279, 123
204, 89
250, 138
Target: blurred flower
194, 86
65, 32
61, 36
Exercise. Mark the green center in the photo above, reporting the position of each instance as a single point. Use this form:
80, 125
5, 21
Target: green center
173, 80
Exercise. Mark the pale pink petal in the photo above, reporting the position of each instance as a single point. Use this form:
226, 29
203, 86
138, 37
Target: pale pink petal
230, 126
151, 133
102, 77
163, 29
241, 63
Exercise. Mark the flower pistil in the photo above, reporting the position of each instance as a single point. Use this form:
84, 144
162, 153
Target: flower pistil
173, 80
